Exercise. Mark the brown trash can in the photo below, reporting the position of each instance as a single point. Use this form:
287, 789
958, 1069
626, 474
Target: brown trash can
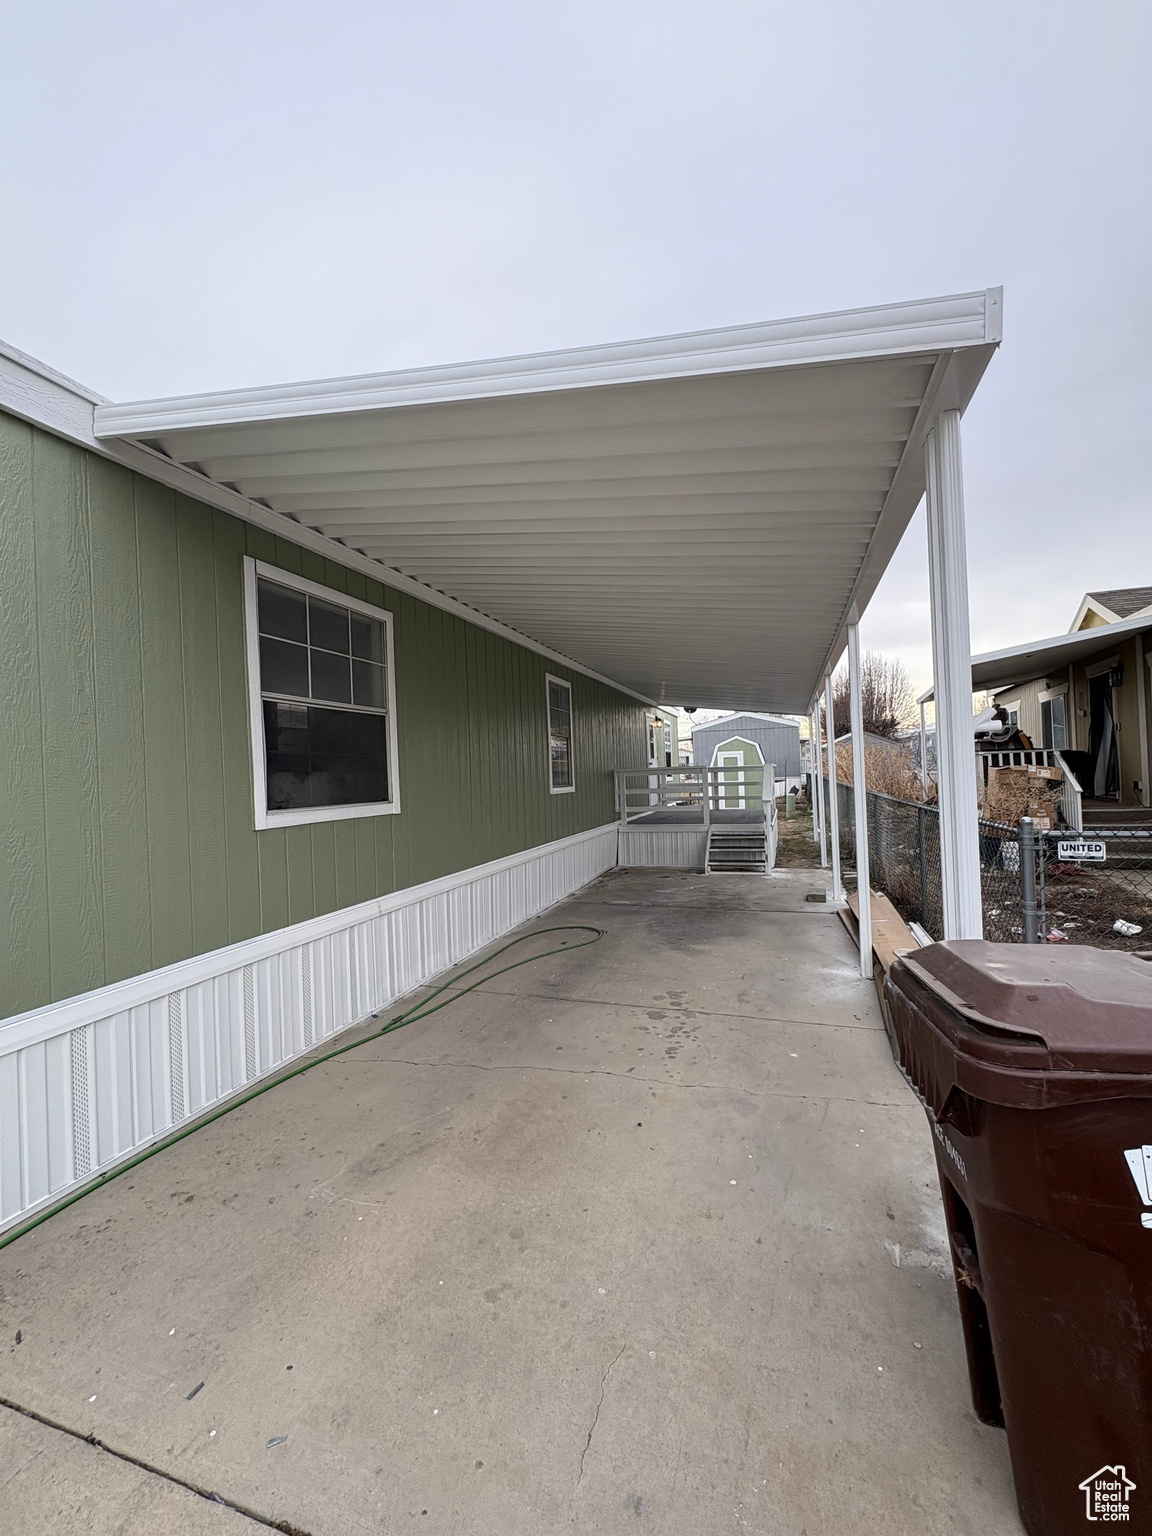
1035, 1067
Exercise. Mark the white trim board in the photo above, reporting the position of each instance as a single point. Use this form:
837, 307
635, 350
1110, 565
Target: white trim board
35, 393
87, 1082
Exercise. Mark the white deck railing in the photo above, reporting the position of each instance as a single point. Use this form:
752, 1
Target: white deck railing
694, 794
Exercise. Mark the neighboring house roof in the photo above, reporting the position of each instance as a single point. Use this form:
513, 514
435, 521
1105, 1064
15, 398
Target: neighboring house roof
1113, 605
744, 714
997, 670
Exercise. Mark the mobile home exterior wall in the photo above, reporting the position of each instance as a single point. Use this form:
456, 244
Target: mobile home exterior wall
129, 835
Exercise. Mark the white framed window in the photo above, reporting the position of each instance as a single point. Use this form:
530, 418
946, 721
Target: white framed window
321, 701
561, 767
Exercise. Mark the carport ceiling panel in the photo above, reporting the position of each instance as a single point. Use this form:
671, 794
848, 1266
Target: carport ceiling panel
698, 535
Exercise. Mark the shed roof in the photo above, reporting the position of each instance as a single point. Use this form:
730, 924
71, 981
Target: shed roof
743, 714
695, 517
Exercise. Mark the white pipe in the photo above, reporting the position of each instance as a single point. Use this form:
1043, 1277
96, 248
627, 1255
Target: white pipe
952, 677
924, 746
833, 816
820, 787
860, 795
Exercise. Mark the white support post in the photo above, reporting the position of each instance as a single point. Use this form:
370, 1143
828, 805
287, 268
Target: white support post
833, 816
924, 746
818, 808
812, 761
860, 796
952, 676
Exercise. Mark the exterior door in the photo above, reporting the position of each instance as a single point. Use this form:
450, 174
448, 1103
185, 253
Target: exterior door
731, 797
1105, 758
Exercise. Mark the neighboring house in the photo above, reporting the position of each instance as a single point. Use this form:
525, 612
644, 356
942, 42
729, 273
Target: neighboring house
750, 740
1086, 695
663, 736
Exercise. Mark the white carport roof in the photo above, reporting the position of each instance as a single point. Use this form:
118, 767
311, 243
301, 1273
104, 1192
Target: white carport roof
695, 517
994, 670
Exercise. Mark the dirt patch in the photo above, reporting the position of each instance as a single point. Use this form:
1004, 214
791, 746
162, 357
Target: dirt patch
1083, 904
795, 848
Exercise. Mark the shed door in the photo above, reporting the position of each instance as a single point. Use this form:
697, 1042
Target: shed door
731, 796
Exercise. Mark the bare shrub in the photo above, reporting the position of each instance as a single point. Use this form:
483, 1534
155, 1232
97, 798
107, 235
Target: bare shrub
887, 770
887, 699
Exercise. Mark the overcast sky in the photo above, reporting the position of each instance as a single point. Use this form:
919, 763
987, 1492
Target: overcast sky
200, 196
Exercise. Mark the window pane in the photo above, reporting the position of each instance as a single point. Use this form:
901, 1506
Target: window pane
558, 707
1046, 722
1059, 727
283, 668
282, 613
367, 684
331, 677
560, 735
320, 757
561, 762
328, 627
367, 638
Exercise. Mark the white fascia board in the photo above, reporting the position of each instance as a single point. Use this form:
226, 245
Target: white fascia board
35, 393
921, 326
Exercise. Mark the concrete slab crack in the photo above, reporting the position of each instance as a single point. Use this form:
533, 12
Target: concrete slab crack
596, 1415
634, 1077
284, 1526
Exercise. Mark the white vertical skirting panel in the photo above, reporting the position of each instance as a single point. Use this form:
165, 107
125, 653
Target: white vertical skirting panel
663, 850
86, 1082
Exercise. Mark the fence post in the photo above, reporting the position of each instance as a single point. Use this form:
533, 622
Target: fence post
1028, 880
921, 838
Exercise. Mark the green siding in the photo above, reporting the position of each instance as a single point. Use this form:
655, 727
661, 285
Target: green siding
127, 835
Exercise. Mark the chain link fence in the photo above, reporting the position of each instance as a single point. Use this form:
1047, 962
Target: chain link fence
1106, 903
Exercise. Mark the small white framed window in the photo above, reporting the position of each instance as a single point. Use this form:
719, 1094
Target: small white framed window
561, 767
321, 701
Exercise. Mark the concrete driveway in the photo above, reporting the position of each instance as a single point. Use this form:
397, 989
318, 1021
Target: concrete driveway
641, 1238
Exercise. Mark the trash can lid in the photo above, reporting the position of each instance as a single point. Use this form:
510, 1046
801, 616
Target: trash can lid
1091, 1008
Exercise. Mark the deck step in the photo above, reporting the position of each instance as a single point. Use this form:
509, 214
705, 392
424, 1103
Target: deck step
736, 850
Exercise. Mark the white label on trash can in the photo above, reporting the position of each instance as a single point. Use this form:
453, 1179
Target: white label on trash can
1086, 849
1139, 1160
1107, 1494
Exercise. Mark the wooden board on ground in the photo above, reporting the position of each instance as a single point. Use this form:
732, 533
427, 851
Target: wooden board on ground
889, 930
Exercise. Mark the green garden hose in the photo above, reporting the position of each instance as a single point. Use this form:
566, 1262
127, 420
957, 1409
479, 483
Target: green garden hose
420, 1010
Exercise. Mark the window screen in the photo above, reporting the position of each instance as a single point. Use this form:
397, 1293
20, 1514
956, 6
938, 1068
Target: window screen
560, 734
323, 689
